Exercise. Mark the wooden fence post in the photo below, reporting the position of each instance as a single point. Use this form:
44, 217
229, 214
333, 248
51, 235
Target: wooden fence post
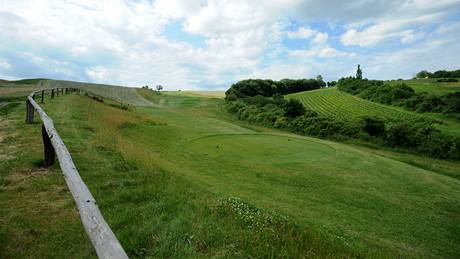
52, 93
62, 91
50, 154
43, 95
29, 112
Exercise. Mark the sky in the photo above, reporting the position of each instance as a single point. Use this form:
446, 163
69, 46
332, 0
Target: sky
210, 44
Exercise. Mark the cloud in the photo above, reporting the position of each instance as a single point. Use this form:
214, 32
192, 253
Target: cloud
126, 42
4, 64
385, 31
403, 21
321, 38
301, 33
322, 52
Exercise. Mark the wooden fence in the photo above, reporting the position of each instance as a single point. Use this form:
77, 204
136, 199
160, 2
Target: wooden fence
103, 239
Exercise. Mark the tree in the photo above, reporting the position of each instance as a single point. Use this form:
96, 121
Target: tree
159, 87
319, 78
423, 74
359, 73
293, 108
331, 84
373, 126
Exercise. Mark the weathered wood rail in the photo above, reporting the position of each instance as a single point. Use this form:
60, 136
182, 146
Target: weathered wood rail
103, 239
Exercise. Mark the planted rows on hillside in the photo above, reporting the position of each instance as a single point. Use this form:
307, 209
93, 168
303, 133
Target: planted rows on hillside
343, 106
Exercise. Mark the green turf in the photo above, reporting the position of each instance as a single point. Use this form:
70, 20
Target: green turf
165, 176
271, 149
331, 102
429, 85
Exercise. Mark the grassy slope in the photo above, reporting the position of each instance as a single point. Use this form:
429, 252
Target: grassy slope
119, 93
158, 189
332, 102
429, 85
38, 218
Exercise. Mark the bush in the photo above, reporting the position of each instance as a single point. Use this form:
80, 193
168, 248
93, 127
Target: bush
439, 74
373, 126
447, 80
293, 108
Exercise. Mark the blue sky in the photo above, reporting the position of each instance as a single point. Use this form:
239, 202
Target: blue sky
210, 44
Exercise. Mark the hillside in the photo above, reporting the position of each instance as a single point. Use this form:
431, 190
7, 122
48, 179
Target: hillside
118, 93
334, 103
186, 179
429, 85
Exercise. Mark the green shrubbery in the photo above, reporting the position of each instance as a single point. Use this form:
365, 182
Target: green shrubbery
438, 74
401, 95
447, 80
267, 88
419, 136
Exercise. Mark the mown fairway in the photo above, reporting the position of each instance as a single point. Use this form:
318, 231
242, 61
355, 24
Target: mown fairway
165, 177
334, 103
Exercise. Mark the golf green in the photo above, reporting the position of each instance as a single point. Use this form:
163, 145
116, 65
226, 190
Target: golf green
261, 148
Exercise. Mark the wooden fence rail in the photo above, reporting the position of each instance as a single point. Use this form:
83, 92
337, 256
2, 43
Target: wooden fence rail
103, 239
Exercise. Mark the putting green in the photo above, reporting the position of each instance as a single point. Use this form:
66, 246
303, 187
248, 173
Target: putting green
261, 148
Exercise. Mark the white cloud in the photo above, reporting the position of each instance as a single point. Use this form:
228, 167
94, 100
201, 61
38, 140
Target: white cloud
120, 41
4, 64
321, 38
400, 24
322, 52
301, 33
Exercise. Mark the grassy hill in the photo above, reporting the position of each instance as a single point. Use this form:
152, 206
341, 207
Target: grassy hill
184, 179
118, 93
429, 85
338, 104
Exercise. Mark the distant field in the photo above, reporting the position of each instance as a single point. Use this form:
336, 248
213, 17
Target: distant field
429, 85
213, 94
119, 93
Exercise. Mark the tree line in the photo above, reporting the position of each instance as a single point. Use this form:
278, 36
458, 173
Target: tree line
438, 74
268, 88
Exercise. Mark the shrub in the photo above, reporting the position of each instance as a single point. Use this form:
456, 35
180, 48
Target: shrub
447, 80
373, 126
293, 108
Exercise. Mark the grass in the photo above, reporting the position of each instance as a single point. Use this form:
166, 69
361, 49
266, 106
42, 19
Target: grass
183, 179
212, 94
334, 103
38, 218
429, 85
126, 95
